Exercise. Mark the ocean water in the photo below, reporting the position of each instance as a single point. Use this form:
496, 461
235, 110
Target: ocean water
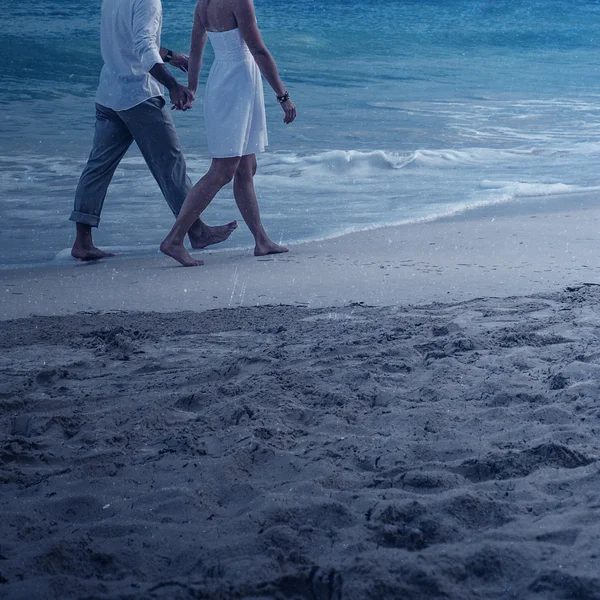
408, 110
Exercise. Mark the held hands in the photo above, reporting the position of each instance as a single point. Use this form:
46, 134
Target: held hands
181, 97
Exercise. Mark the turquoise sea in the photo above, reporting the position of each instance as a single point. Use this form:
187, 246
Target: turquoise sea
408, 110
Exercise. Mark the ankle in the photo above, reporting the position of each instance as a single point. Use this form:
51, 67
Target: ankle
199, 229
174, 240
83, 237
83, 242
262, 239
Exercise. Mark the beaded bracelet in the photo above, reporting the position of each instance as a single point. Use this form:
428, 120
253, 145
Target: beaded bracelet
284, 98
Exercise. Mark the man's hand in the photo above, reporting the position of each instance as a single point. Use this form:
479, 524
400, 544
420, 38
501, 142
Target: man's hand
180, 61
181, 97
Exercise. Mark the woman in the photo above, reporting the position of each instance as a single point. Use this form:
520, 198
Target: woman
234, 115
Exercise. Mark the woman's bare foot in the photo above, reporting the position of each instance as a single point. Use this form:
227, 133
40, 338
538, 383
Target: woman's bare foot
211, 235
180, 254
87, 253
268, 247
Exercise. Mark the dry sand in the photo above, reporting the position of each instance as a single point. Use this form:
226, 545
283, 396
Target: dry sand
447, 450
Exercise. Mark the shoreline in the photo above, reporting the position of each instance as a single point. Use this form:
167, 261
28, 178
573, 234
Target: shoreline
477, 254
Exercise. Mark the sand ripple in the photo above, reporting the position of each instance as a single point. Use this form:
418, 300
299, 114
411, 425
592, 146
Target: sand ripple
445, 451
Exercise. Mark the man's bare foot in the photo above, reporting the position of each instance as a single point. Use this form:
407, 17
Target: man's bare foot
180, 254
88, 253
269, 247
211, 235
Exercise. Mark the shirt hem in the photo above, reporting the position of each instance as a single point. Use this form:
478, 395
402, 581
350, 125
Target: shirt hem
132, 105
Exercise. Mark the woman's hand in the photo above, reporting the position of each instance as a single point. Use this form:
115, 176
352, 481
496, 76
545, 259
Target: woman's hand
289, 108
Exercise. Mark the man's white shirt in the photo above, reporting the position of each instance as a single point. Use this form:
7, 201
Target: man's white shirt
130, 44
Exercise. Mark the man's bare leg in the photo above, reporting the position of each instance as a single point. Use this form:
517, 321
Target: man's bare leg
83, 248
245, 197
221, 172
202, 235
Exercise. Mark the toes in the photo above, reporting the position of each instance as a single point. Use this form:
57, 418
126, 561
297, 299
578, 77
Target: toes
193, 263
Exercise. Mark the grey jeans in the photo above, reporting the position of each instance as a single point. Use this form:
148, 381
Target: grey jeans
151, 126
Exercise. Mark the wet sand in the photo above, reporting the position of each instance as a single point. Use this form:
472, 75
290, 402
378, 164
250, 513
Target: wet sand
490, 252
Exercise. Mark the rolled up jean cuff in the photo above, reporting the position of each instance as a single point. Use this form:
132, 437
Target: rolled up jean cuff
84, 219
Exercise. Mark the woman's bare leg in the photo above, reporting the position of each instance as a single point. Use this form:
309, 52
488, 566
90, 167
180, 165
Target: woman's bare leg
245, 197
221, 172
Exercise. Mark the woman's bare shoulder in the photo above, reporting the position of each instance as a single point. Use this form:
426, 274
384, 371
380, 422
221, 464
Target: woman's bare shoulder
223, 5
199, 7
240, 4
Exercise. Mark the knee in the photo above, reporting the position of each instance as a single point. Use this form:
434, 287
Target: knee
224, 175
246, 171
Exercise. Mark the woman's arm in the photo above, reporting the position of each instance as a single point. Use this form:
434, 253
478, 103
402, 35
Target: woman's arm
246, 19
199, 36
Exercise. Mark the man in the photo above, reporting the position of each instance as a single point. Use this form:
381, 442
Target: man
130, 106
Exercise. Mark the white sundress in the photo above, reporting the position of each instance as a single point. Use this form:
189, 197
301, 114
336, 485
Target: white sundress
234, 103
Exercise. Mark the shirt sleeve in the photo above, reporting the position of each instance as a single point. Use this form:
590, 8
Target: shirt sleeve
147, 20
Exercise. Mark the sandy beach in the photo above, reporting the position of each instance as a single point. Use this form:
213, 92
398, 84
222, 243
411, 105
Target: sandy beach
495, 251
409, 412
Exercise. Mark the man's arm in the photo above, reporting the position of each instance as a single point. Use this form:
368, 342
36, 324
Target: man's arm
162, 75
180, 96
147, 15
177, 59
